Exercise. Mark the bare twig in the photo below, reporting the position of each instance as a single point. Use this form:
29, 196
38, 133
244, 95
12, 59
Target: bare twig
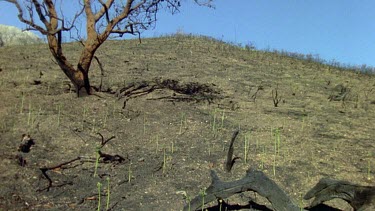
45, 169
101, 73
254, 96
230, 160
104, 142
275, 97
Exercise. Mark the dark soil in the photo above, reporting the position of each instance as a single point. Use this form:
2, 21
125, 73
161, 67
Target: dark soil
172, 105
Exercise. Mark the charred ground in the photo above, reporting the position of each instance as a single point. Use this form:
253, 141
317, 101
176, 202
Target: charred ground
172, 104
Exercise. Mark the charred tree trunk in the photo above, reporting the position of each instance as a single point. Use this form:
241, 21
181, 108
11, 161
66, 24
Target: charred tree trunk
108, 17
85, 60
78, 76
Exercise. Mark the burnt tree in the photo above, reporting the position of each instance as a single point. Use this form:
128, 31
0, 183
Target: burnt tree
102, 19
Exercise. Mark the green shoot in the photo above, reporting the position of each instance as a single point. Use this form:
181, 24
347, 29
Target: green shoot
157, 143
222, 119
99, 186
129, 173
93, 126
58, 115
277, 140
22, 101
188, 200
182, 122
246, 147
370, 156
105, 119
108, 193
164, 162
97, 160
203, 194
368, 169
274, 165
189, 209
214, 124
262, 158
29, 115
35, 117
303, 123
144, 124
48, 88
114, 109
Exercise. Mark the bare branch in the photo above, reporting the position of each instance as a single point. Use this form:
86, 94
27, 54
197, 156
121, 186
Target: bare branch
30, 22
207, 3
104, 10
125, 13
38, 9
90, 22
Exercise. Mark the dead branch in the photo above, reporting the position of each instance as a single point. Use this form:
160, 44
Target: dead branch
107, 158
230, 160
254, 96
253, 181
26, 144
104, 142
359, 197
101, 73
45, 169
275, 97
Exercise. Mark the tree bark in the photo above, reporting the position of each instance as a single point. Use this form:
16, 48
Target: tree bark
79, 77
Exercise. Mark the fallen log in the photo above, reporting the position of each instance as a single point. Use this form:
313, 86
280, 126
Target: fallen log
254, 180
359, 197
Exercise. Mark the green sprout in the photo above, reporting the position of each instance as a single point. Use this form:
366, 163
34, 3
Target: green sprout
369, 168
99, 186
222, 119
108, 193
164, 162
22, 101
203, 194
277, 140
172, 147
368, 171
157, 143
29, 115
214, 124
97, 160
129, 173
144, 124
246, 147
59, 114
182, 122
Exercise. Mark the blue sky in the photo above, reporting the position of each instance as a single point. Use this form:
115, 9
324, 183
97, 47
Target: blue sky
343, 30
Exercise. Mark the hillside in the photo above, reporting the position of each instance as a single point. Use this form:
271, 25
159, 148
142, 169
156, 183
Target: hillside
170, 140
